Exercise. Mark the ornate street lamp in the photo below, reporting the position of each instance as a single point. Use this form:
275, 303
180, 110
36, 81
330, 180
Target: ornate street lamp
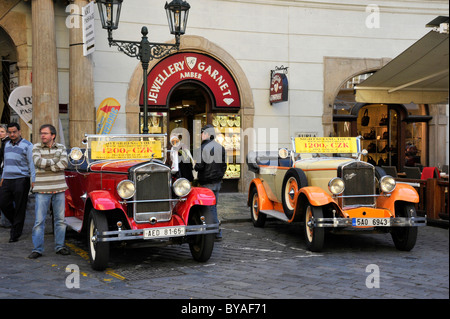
177, 13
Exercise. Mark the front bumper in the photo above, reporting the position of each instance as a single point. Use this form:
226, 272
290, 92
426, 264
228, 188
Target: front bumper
137, 234
348, 222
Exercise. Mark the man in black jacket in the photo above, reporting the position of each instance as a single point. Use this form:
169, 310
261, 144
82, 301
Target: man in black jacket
211, 166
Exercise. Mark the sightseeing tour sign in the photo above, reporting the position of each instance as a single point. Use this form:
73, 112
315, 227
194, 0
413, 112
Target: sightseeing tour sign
194, 67
326, 145
125, 149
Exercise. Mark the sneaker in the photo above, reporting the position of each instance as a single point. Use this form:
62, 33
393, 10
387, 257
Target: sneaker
63, 251
34, 255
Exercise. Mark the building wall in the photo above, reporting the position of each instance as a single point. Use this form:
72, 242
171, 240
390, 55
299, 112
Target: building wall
323, 43
261, 35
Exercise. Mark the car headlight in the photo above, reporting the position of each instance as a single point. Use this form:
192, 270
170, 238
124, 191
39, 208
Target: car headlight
126, 189
387, 184
76, 154
336, 186
181, 187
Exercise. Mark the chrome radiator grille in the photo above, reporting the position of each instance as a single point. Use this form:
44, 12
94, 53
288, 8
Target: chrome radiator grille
153, 189
359, 179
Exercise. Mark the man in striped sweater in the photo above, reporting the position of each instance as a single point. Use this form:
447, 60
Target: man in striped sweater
50, 160
15, 182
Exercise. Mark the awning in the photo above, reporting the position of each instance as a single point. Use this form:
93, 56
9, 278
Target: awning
418, 75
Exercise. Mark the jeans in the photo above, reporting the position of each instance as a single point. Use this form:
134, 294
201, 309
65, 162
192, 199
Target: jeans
42, 205
215, 189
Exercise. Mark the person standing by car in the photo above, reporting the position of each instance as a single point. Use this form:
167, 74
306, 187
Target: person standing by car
18, 169
4, 222
211, 166
50, 160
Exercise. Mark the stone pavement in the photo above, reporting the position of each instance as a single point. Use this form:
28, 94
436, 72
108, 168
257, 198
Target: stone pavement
256, 263
233, 207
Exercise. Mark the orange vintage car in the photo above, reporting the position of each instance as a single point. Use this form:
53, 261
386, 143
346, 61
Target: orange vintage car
324, 184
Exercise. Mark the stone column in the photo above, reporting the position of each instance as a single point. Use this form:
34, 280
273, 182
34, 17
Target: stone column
44, 66
81, 85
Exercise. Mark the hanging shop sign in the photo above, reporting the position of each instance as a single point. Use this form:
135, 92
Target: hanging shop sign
191, 66
88, 29
20, 100
278, 85
106, 115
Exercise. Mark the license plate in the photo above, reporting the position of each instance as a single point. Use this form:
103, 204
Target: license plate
371, 222
162, 232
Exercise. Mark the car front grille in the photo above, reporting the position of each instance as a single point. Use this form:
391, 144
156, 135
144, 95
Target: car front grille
359, 178
152, 193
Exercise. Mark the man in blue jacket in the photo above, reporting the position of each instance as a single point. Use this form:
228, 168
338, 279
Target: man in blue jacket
18, 174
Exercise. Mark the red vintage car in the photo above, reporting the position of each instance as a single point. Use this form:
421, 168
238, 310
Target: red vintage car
121, 190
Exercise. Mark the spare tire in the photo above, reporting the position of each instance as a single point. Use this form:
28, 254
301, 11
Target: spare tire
293, 181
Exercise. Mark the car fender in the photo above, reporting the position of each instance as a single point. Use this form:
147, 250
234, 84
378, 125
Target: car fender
264, 202
402, 192
102, 200
316, 196
197, 196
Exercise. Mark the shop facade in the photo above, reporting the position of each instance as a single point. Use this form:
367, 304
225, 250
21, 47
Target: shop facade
221, 74
190, 89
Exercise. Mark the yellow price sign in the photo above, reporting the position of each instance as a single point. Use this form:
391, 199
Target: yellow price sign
326, 145
125, 150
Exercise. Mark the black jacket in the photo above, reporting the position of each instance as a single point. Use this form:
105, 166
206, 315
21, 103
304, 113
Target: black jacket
212, 165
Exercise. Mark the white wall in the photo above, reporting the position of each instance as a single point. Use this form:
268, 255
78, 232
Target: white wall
264, 34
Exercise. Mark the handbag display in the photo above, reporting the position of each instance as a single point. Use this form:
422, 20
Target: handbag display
384, 120
370, 160
372, 148
366, 118
371, 135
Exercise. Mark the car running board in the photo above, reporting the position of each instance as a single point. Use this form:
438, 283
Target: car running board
74, 223
276, 214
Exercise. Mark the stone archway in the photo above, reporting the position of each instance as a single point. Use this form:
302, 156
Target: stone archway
336, 72
201, 45
15, 25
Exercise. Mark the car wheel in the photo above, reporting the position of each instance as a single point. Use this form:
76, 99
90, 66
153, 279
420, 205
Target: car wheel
258, 219
293, 181
201, 246
405, 237
98, 251
314, 236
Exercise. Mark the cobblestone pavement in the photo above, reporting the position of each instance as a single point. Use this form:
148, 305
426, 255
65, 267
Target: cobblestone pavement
254, 263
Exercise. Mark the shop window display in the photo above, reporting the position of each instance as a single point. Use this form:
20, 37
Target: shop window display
228, 128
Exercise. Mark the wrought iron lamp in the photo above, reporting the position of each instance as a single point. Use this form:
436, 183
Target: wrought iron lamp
177, 14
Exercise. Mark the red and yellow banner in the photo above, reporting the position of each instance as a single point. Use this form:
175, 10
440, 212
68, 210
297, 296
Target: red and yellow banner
326, 145
106, 115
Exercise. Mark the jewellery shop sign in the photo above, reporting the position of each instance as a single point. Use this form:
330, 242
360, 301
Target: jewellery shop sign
188, 66
278, 85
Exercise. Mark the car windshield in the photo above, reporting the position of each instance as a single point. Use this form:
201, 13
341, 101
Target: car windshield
125, 147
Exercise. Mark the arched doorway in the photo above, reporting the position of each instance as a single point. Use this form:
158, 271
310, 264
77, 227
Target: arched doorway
9, 76
208, 89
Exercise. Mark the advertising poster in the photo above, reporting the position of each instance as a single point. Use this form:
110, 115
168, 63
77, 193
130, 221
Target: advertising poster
106, 115
20, 100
